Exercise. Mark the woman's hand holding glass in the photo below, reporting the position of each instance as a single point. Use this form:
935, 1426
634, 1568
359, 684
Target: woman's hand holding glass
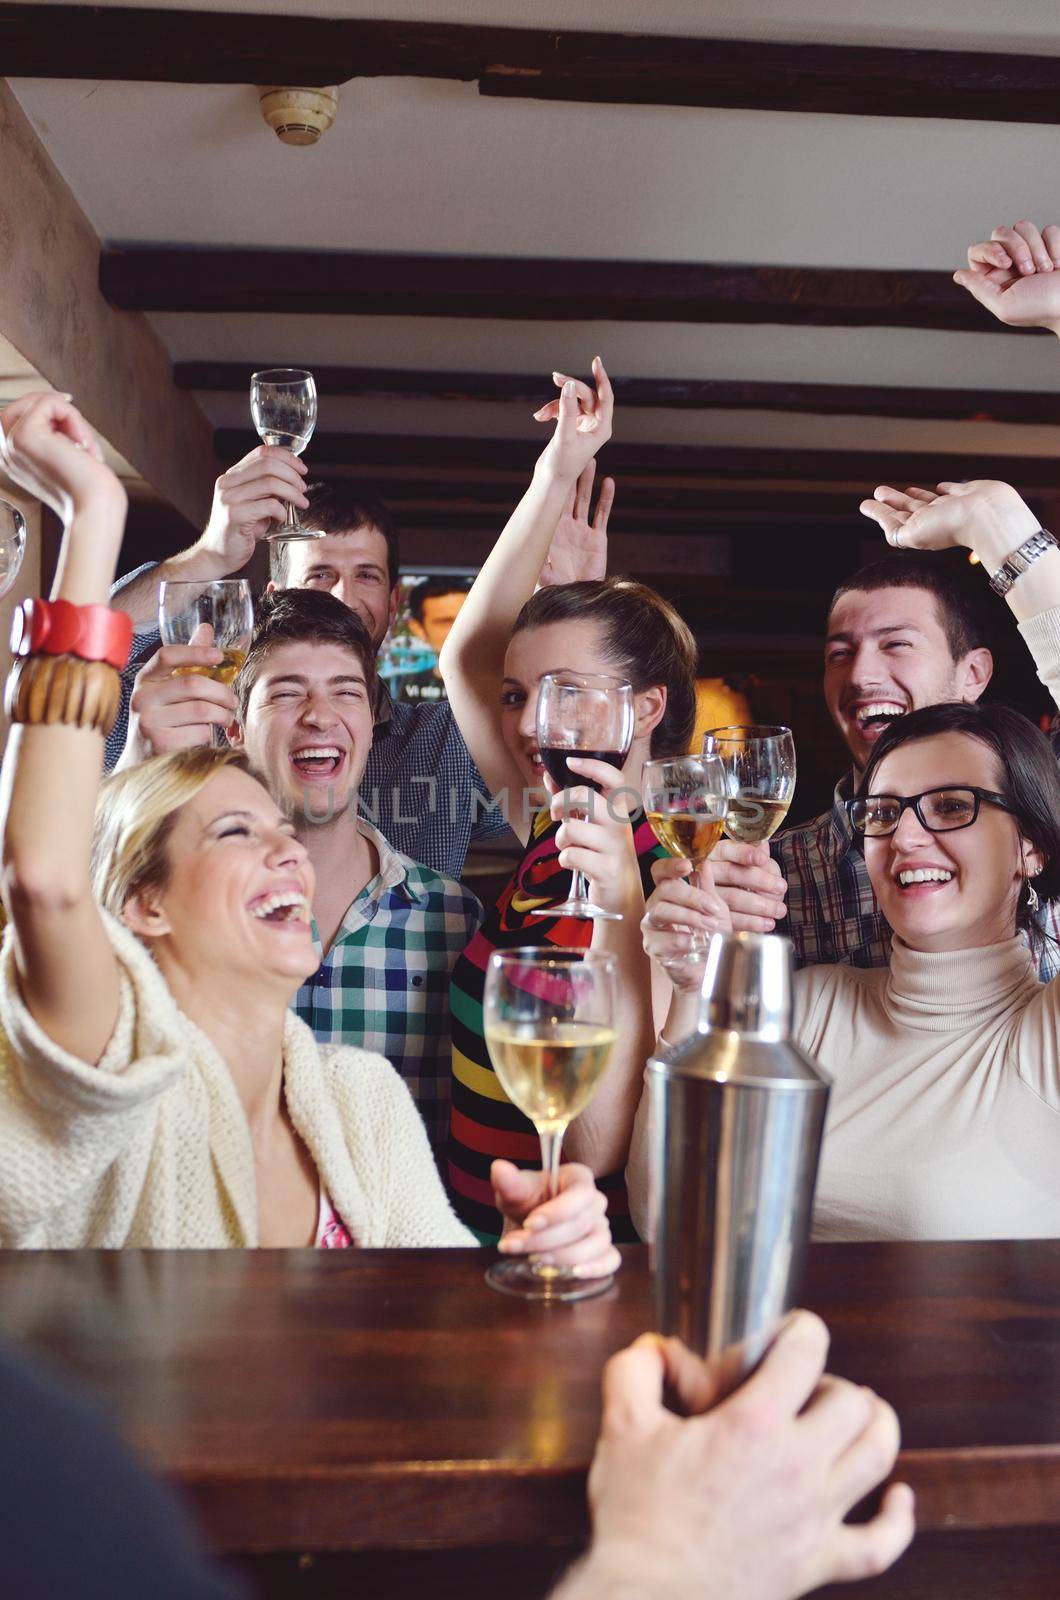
683, 910
549, 1018
569, 1230
594, 836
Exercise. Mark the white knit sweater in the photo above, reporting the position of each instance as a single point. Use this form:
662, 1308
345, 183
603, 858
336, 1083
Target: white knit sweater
151, 1147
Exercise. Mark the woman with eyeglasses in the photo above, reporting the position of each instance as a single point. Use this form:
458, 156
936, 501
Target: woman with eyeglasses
944, 1120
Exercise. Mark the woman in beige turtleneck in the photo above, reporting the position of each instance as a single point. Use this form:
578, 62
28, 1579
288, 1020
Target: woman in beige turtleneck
944, 1120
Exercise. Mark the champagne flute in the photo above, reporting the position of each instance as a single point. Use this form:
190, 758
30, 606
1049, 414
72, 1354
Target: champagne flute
12, 545
226, 606
590, 715
550, 1026
685, 800
283, 404
760, 766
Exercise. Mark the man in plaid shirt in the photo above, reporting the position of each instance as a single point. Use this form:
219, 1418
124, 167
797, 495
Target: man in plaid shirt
903, 633
388, 929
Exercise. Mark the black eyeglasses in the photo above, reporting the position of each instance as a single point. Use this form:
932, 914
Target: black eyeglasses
937, 810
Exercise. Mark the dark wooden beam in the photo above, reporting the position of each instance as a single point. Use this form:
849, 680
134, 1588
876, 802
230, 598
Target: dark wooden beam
181, 278
182, 46
691, 463
677, 394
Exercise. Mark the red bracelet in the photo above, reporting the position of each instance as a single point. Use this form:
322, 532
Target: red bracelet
59, 628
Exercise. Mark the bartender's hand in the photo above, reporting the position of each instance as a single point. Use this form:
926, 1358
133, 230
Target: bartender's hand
570, 1231
748, 1498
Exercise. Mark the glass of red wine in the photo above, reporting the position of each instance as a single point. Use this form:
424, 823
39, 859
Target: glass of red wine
590, 716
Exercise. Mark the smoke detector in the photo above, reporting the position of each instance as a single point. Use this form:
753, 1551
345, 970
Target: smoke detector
299, 116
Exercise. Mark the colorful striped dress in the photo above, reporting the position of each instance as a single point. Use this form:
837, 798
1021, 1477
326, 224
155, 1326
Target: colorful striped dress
484, 1124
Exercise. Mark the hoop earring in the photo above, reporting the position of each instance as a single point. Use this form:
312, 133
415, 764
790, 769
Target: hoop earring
1033, 901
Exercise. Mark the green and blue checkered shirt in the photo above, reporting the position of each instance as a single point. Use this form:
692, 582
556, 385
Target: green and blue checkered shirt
384, 984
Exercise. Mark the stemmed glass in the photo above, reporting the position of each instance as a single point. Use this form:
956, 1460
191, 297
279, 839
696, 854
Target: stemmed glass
760, 766
685, 800
225, 606
550, 1026
12, 544
283, 404
590, 715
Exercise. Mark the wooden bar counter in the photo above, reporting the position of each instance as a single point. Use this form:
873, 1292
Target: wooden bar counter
379, 1423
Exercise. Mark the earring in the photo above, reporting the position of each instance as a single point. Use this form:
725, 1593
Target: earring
1032, 896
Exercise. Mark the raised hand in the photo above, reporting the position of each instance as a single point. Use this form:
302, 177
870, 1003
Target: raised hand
984, 515
247, 500
47, 448
579, 547
1015, 274
583, 418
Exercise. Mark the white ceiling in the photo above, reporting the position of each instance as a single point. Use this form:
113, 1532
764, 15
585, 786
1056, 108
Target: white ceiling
425, 166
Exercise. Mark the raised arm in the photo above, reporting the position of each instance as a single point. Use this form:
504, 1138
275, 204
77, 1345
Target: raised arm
472, 658
247, 500
1015, 275
66, 967
985, 516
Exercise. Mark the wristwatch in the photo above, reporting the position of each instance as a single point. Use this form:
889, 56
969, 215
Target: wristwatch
1015, 565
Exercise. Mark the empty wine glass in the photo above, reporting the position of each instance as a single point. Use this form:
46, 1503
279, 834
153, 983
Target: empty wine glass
12, 545
589, 715
686, 799
283, 404
760, 764
550, 1026
225, 606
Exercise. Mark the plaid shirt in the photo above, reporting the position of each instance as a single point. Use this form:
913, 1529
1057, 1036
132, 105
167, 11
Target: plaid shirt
384, 984
832, 912
420, 787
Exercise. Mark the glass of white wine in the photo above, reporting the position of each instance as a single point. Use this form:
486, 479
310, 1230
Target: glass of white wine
225, 607
760, 767
12, 544
550, 1026
686, 800
283, 404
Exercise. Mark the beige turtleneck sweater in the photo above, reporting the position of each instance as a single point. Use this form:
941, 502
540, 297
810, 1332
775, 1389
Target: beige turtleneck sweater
944, 1118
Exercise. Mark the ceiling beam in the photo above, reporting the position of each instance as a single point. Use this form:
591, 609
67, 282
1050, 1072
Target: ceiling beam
411, 454
192, 46
677, 394
51, 310
318, 282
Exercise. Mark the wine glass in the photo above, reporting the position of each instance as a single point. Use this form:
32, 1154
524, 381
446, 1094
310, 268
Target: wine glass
685, 800
589, 715
226, 606
12, 545
550, 1026
283, 404
760, 766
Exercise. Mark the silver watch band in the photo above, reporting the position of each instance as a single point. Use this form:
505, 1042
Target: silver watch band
1015, 565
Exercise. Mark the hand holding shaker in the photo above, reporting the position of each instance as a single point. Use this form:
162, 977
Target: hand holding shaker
737, 1116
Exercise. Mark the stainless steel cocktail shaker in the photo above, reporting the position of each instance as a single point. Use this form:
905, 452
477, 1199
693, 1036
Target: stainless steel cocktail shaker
737, 1116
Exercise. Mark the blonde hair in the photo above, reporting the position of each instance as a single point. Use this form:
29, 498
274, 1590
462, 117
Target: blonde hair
135, 816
